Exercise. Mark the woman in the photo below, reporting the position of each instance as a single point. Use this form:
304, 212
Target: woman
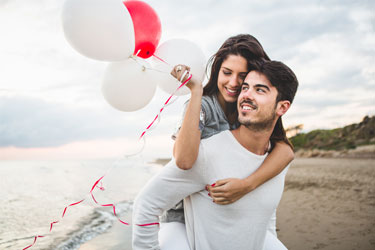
211, 110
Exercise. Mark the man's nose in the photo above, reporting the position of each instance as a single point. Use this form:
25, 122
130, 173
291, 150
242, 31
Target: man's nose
249, 94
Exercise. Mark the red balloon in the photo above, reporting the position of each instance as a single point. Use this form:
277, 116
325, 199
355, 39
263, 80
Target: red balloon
147, 27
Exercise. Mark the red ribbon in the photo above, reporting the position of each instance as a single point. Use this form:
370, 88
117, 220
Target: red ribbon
36, 237
156, 117
101, 185
70, 205
105, 205
50, 229
160, 59
78, 202
144, 225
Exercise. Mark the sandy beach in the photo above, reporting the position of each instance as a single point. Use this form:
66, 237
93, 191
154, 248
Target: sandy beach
328, 203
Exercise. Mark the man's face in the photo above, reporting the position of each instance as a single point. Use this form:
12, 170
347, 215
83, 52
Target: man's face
257, 102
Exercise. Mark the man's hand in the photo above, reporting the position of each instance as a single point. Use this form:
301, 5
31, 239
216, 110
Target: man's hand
227, 191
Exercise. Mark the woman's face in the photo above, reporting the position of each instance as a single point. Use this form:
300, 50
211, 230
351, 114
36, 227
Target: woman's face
231, 74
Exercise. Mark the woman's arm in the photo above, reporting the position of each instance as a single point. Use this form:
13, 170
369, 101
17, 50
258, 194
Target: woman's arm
185, 150
227, 191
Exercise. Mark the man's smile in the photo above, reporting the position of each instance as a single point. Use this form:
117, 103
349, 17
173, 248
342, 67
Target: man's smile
248, 105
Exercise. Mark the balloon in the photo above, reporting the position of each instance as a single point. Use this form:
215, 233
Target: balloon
99, 29
147, 27
128, 85
178, 51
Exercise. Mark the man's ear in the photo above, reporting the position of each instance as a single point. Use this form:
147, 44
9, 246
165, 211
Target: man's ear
282, 107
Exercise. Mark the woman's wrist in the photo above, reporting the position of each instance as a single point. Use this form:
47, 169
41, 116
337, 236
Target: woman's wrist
250, 183
197, 89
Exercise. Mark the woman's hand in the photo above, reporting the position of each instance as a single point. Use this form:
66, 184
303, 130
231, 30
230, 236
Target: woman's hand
227, 191
178, 72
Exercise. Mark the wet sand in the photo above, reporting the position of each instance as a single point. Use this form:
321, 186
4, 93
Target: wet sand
117, 238
328, 203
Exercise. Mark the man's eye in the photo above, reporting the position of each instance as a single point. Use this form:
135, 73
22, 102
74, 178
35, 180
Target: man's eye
245, 88
261, 90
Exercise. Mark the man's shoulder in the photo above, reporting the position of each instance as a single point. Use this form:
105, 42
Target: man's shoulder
217, 139
212, 146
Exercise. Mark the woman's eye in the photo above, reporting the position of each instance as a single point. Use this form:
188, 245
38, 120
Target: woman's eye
226, 72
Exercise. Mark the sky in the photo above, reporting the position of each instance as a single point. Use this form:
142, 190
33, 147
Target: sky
52, 107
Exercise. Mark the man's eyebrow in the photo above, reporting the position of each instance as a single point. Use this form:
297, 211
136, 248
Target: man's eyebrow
244, 83
262, 86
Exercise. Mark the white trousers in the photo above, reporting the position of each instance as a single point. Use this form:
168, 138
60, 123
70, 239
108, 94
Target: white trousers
172, 236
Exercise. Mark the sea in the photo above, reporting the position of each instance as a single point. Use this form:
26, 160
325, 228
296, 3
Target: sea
34, 194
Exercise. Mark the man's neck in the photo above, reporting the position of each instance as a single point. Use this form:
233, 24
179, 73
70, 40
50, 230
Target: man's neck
256, 142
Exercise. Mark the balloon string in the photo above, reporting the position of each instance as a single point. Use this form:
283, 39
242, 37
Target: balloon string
161, 60
98, 183
149, 224
165, 104
78, 202
105, 205
52, 223
139, 51
35, 238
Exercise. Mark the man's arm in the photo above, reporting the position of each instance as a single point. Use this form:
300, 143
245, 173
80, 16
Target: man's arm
227, 191
162, 192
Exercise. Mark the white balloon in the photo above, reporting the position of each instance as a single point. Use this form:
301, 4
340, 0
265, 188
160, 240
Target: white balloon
128, 85
99, 29
178, 51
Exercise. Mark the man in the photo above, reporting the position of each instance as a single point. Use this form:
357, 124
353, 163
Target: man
266, 95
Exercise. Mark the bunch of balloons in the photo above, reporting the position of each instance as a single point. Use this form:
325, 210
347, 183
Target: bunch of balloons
127, 35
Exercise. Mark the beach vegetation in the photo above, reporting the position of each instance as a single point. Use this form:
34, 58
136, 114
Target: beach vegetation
345, 138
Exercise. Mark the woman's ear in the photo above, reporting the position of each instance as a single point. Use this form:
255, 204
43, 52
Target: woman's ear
282, 107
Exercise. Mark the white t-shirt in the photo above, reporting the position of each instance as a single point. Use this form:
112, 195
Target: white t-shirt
240, 225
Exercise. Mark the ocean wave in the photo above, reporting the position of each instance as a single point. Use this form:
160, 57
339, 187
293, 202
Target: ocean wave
101, 221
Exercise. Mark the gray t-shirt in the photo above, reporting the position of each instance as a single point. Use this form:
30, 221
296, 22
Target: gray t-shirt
212, 121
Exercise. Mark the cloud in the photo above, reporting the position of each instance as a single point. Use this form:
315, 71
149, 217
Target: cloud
32, 122
53, 93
